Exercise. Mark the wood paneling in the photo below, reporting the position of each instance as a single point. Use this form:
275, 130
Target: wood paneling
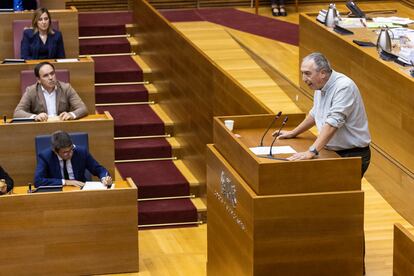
195, 89
318, 233
267, 177
68, 25
98, 5
403, 262
70, 232
386, 90
53, 4
82, 79
17, 143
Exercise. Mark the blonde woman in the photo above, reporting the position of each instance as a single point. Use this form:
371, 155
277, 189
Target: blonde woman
41, 41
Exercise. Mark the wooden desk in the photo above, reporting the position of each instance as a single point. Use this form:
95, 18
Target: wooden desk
270, 217
403, 253
387, 90
17, 144
70, 232
82, 79
68, 25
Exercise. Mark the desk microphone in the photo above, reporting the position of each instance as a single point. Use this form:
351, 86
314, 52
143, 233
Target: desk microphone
277, 134
268, 128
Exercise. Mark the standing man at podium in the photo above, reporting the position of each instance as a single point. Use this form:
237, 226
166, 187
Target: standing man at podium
338, 113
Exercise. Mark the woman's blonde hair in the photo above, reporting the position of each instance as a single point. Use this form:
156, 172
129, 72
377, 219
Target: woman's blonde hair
36, 16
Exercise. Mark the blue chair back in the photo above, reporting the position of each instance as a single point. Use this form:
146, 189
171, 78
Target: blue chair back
43, 142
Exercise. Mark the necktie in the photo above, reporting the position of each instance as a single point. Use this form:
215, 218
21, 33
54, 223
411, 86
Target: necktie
65, 170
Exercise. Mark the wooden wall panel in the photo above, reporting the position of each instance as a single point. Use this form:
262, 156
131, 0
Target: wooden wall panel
82, 79
195, 89
68, 25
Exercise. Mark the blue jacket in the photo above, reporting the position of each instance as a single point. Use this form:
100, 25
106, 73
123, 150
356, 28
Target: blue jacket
48, 171
29, 48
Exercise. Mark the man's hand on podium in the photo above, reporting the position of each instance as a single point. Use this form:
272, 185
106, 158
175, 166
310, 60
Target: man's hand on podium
305, 155
284, 134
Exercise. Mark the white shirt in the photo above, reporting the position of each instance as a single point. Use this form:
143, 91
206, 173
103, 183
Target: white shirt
50, 99
340, 105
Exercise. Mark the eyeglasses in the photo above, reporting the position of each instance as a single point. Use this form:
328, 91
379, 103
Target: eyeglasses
66, 151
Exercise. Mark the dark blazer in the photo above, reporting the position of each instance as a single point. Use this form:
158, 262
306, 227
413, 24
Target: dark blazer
48, 171
31, 42
9, 181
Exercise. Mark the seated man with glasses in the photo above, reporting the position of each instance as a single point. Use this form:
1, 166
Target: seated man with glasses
65, 164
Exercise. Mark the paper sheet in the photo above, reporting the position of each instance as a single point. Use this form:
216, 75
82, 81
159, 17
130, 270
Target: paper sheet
275, 150
67, 60
94, 185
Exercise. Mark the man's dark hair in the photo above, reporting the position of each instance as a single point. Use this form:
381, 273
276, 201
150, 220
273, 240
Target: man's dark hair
60, 140
40, 65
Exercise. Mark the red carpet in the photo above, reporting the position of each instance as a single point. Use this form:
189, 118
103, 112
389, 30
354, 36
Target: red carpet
104, 46
166, 211
242, 21
103, 23
116, 69
121, 93
155, 178
134, 120
142, 149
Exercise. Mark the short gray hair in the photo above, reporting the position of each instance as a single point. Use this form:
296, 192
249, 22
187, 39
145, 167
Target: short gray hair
320, 61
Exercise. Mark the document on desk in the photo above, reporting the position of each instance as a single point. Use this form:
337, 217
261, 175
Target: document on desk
94, 185
275, 150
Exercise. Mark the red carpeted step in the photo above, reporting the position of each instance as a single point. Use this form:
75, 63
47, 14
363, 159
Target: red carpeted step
142, 148
155, 178
121, 93
134, 120
103, 23
104, 46
166, 211
116, 69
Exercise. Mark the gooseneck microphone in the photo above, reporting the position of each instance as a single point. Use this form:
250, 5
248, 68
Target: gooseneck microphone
277, 134
268, 128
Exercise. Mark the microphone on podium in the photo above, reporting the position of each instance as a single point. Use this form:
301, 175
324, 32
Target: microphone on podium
268, 128
277, 134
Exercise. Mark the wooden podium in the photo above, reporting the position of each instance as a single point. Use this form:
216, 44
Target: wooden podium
270, 217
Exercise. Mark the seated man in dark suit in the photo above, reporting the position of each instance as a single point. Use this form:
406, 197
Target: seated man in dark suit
49, 98
65, 164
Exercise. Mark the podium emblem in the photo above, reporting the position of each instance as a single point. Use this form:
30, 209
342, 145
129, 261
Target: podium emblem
228, 189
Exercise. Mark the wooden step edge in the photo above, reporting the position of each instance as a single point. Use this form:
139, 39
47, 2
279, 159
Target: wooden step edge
153, 94
201, 209
168, 122
175, 147
186, 172
142, 64
131, 28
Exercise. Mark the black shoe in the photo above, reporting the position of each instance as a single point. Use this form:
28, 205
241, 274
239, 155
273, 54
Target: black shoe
275, 11
282, 11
